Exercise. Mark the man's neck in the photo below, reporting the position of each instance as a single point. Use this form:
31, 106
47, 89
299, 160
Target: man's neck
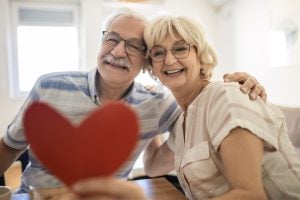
108, 93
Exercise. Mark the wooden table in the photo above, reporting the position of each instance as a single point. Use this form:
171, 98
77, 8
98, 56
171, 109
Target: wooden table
155, 189
159, 189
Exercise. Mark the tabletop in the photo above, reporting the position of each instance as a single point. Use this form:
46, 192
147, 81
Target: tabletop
155, 189
159, 189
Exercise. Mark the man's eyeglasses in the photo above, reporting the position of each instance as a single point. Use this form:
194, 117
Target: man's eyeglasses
133, 46
179, 50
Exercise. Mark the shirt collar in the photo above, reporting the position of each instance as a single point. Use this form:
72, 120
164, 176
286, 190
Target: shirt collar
93, 77
92, 82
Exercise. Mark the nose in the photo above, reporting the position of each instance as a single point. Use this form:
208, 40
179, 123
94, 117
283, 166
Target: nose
119, 50
170, 59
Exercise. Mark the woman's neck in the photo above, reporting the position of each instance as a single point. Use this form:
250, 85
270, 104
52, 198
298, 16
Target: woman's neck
187, 95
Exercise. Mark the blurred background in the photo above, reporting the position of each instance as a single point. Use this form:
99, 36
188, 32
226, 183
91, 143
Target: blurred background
260, 37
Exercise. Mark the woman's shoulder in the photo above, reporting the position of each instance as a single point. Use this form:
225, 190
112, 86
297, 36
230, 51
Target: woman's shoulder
220, 89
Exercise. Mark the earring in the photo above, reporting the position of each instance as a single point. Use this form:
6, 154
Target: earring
203, 74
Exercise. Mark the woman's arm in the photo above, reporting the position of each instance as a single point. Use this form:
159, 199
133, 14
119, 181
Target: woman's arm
242, 153
158, 158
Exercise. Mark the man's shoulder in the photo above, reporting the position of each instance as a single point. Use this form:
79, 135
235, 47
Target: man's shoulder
67, 76
220, 88
64, 75
63, 79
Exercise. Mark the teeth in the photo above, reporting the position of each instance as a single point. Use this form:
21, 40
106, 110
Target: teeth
173, 71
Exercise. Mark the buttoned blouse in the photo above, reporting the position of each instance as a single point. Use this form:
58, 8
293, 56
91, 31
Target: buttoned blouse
218, 109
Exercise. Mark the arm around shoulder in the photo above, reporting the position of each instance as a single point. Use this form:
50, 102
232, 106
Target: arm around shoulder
158, 158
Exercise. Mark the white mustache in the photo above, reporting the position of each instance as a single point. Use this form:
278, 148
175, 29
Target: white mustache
121, 62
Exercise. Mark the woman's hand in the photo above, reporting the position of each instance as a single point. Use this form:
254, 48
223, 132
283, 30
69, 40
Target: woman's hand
249, 84
106, 188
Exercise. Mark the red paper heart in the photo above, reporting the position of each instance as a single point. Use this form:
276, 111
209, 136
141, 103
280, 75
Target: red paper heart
97, 147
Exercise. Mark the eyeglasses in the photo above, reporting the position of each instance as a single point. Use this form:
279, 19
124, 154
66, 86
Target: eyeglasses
133, 46
179, 50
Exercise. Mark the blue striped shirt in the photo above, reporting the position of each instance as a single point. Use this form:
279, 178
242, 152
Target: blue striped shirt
74, 94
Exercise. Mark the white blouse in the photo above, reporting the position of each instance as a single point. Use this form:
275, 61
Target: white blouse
220, 108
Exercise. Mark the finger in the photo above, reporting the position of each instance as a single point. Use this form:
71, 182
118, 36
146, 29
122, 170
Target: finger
94, 185
249, 85
225, 77
70, 197
108, 186
102, 197
264, 96
258, 90
236, 77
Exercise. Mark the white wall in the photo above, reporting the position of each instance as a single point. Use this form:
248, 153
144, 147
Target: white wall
238, 31
9, 107
248, 23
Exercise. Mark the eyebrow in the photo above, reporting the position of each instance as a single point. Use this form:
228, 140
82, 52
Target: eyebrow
180, 41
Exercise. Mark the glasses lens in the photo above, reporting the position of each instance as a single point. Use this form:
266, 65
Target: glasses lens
134, 47
178, 51
158, 53
181, 50
111, 39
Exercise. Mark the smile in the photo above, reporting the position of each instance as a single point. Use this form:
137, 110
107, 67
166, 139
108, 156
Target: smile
116, 65
173, 71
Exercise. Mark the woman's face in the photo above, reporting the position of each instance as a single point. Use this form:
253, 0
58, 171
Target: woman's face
180, 68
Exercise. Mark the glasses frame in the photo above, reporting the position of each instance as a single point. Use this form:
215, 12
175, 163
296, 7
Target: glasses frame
138, 52
172, 52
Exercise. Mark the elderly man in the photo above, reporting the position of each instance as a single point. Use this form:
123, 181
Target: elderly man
76, 94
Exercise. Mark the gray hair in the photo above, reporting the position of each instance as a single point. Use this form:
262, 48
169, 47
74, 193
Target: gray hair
122, 12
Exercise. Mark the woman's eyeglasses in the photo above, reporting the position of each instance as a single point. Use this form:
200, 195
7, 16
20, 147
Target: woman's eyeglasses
159, 53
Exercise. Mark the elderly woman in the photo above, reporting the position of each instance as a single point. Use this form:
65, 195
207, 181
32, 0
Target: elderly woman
225, 146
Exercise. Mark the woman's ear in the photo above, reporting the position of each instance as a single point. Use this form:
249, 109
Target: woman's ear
203, 73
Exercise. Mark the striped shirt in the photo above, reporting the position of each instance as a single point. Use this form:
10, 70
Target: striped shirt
74, 95
218, 109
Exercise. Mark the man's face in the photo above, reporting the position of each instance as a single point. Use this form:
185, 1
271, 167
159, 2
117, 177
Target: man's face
117, 65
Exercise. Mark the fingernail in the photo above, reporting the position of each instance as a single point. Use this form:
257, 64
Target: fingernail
253, 96
226, 80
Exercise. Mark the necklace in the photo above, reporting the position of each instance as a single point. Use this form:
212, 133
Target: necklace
194, 93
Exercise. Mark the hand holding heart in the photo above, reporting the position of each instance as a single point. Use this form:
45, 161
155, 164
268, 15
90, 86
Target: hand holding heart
97, 147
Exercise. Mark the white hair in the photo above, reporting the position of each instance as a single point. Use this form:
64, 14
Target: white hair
122, 12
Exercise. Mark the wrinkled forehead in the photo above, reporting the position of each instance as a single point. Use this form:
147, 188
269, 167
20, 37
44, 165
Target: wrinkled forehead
128, 27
